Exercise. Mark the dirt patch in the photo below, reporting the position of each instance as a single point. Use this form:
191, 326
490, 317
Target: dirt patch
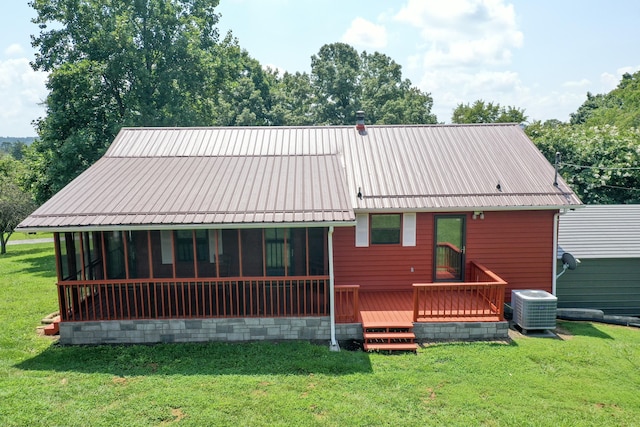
559, 333
119, 380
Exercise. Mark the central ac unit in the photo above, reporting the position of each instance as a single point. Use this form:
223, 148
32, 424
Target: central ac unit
534, 309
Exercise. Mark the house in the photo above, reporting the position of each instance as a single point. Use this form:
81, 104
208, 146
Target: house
387, 233
606, 240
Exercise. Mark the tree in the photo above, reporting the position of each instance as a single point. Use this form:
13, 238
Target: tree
620, 107
245, 93
343, 82
479, 112
292, 99
601, 164
335, 73
114, 64
387, 98
15, 204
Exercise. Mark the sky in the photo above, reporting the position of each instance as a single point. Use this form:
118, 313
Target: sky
542, 56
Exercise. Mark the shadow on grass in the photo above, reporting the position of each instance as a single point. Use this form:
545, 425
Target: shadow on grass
42, 266
457, 343
585, 329
263, 358
37, 260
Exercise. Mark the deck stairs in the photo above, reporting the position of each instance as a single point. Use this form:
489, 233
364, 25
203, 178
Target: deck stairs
53, 326
389, 336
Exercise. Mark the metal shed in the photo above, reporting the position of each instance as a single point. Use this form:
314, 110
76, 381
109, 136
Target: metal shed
606, 240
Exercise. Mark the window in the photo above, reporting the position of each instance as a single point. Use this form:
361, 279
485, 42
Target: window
385, 229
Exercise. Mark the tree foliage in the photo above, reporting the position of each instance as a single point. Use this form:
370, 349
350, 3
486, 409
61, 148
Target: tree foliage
15, 203
600, 146
620, 107
343, 82
114, 64
481, 112
601, 164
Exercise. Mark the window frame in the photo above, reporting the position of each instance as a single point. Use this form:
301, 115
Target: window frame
372, 229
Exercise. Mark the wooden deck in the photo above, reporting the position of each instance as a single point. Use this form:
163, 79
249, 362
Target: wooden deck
396, 308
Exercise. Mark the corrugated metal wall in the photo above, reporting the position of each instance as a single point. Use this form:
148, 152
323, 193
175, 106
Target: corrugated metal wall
516, 245
611, 285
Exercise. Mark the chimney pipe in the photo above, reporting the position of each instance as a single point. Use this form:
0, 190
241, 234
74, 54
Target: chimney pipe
360, 120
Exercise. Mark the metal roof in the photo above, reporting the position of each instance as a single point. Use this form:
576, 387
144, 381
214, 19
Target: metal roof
244, 175
601, 231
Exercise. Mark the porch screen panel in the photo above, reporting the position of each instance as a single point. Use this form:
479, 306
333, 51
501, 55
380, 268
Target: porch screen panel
297, 248
184, 253
252, 256
93, 267
230, 257
206, 253
114, 247
64, 257
274, 243
161, 269
318, 260
138, 253
78, 252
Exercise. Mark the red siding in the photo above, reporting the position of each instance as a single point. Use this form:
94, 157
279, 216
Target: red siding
516, 245
384, 267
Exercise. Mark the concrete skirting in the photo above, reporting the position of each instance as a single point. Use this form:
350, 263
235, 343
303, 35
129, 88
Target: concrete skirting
257, 329
195, 330
438, 331
462, 331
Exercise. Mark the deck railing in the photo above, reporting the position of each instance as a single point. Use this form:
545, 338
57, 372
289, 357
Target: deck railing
448, 259
481, 296
346, 303
98, 300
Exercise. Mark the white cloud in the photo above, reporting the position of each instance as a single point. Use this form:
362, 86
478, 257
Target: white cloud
23, 90
14, 50
464, 32
363, 33
578, 83
610, 81
452, 87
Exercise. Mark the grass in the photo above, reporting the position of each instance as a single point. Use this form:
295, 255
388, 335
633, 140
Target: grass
15, 236
590, 378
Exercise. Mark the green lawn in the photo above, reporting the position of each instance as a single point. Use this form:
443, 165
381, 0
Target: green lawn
29, 236
590, 378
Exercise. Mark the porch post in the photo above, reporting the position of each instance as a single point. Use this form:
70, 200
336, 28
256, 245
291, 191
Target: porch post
333, 344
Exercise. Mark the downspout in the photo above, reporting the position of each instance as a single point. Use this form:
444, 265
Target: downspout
556, 218
333, 344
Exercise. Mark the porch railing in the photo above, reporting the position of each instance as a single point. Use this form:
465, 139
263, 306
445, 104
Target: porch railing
346, 303
193, 298
480, 297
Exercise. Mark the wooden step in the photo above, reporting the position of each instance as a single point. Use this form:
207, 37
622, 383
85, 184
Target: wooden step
389, 336
391, 347
387, 325
52, 329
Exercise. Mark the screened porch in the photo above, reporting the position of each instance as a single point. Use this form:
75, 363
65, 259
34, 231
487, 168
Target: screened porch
164, 274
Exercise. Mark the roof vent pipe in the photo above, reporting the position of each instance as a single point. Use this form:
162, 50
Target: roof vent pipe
360, 120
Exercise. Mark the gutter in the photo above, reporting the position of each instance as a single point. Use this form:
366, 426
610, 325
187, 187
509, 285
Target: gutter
183, 226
